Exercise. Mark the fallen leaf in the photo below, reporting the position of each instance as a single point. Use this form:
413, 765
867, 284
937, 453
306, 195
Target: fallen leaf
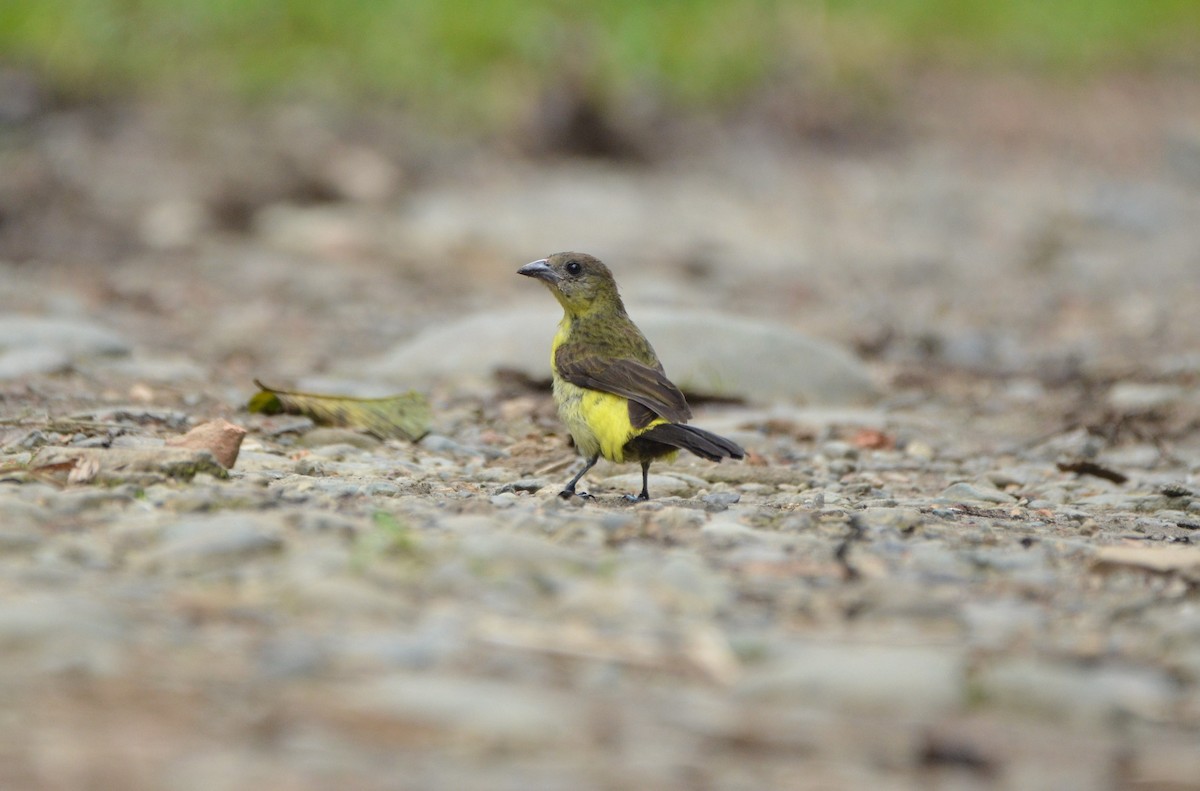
220, 437
406, 415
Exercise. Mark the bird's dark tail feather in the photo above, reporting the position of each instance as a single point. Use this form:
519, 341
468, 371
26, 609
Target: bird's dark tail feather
703, 443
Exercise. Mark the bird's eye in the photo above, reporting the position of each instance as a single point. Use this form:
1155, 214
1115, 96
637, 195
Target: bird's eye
573, 268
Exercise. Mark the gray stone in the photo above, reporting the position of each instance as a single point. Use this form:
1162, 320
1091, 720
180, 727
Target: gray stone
1143, 396
862, 676
994, 625
720, 501
60, 632
491, 710
33, 345
703, 352
381, 489
963, 492
904, 520
1122, 501
631, 483
324, 436
208, 542
527, 485
687, 583
505, 499
157, 369
1092, 695
15, 363
19, 538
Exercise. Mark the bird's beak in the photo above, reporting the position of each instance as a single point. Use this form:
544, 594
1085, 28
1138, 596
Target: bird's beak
539, 269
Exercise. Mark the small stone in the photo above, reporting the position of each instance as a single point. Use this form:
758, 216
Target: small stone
904, 520
862, 677
528, 485
729, 532
61, 632
1143, 397
338, 451
920, 450
660, 485
438, 443
17, 363
720, 501
1080, 694
381, 489
172, 224
505, 499
73, 337
495, 711
970, 492
209, 542
19, 538
219, 437
325, 436
694, 586
994, 625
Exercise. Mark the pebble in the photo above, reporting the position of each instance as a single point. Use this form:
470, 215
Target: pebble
326, 436
1078, 694
969, 492
214, 542
500, 714
19, 538
60, 632
721, 532
720, 501
631, 483
995, 625
74, 338
21, 362
904, 520
862, 676
1143, 397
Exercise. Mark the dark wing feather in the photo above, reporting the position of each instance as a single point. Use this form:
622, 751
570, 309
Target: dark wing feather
641, 384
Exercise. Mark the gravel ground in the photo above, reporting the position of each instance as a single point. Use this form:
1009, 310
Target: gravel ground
983, 577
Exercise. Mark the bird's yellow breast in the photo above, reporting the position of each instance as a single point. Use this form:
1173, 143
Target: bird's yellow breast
598, 421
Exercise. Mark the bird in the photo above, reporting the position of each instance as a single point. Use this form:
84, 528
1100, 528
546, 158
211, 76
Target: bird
610, 387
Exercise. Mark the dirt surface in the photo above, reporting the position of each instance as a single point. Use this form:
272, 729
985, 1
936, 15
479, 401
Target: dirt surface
986, 579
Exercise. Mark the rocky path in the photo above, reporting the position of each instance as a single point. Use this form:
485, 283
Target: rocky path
979, 572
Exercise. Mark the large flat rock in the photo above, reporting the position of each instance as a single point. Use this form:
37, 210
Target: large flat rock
705, 353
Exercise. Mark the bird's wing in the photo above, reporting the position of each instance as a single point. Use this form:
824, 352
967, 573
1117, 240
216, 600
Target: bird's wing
644, 386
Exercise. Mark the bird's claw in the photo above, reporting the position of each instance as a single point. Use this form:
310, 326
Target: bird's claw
636, 498
567, 494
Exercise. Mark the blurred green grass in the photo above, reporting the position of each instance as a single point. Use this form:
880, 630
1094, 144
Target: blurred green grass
484, 61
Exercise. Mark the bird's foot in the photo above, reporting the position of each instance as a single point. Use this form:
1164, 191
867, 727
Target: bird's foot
567, 494
637, 498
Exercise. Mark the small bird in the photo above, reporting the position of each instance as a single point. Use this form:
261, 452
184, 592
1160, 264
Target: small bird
609, 385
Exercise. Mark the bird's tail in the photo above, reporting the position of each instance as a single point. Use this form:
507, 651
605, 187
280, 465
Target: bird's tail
703, 443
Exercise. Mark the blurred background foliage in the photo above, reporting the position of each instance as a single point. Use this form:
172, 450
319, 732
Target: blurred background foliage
484, 63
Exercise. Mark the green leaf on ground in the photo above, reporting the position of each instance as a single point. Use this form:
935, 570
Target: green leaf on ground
402, 416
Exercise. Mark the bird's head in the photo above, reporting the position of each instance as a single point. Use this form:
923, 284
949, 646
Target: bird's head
581, 283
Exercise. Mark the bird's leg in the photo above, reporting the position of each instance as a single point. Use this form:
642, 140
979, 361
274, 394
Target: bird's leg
569, 490
645, 495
